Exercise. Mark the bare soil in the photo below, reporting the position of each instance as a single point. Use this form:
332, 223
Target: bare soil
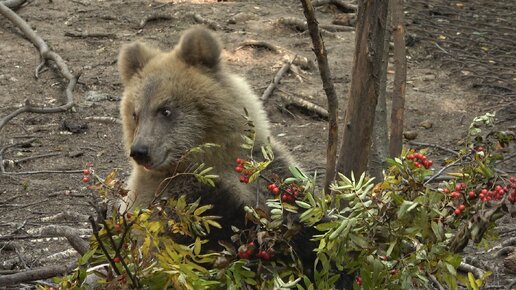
445, 93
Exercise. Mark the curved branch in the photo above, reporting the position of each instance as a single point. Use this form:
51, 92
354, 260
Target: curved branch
37, 274
46, 54
14, 4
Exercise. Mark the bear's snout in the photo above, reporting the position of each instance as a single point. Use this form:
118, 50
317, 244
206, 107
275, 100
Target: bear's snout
140, 153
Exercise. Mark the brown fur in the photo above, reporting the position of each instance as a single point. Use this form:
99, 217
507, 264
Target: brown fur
180, 99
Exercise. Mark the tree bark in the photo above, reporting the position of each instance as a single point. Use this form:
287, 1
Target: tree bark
380, 143
400, 79
365, 86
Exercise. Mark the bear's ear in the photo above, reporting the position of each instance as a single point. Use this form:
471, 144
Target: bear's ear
133, 57
200, 47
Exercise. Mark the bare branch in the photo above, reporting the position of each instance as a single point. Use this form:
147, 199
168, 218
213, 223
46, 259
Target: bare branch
71, 234
346, 7
471, 269
37, 274
13, 4
154, 17
46, 54
85, 34
297, 101
333, 105
209, 23
275, 81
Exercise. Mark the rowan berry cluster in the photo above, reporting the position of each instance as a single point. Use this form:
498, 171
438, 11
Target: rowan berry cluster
240, 168
86, 175
289, 194
247, 252
420, 160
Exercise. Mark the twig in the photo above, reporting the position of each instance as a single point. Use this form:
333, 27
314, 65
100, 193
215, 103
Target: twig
85, 34
301, 25
153, 17
435, 281
37, 274
435, 146
264, 44
101, 244
117, 253
329, 89
300, 102
13, 4
43, 172
209, 23
471, 269
275, 81
12, 163
445, 167
346, 7
2, 150
505, 251
46, 54
106, 120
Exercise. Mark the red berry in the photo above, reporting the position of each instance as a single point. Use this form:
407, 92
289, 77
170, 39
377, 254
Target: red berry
417, 164
410, 156
240, 161
250, 244
275, 190
457, 211
484, 191
462, 207
117, 227
244, 179
471, 194
418, 155
86, 172
358, 280
455, 194
393, 271
446, 190
458, 187
423, 158
480, 148
284, 197
271, 186
428, 164
512, 179
239, 169
85, 179
116, 259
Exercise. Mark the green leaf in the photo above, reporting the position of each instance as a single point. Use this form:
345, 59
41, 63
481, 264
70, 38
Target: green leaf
472, 281
406, 207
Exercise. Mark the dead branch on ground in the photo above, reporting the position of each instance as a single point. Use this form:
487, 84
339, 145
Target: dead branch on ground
467, 268
301, 25
105, 120
345, 7
154, 17
302, 103
275, 81
46, 55
85, 34
10, 163
66, 215
13, 4
264, 44
209, 23
37, 274
73, 235
324, 70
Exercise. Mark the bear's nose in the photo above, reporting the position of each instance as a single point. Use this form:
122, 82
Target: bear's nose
140, 153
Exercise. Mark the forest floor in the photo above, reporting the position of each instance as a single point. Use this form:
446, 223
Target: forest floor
461, 64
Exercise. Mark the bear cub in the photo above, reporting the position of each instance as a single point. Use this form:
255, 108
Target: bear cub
176, 100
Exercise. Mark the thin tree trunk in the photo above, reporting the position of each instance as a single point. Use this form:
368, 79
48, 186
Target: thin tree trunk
329, 89
400, 78
380, 143
365, 86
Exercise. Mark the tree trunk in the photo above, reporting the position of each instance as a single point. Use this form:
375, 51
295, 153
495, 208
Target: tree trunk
365, 86
400, 78
380, 143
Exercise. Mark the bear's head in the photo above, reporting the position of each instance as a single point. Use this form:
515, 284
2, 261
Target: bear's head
174, 101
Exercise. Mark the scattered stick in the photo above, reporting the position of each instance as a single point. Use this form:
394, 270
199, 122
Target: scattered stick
324, 70
13, 162
105, 120
264, 44
300, 102
435, 146
209, 23
435, 281
86, 34
275, 81
301, 25
505, 251
471, 269
14, 4
37, 274
66, 215
154, 17
345, 7
43, 172
71, 234
444, 168
46, 54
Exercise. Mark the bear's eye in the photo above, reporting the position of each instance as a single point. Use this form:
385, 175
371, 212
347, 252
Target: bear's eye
134, 116
165, 112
